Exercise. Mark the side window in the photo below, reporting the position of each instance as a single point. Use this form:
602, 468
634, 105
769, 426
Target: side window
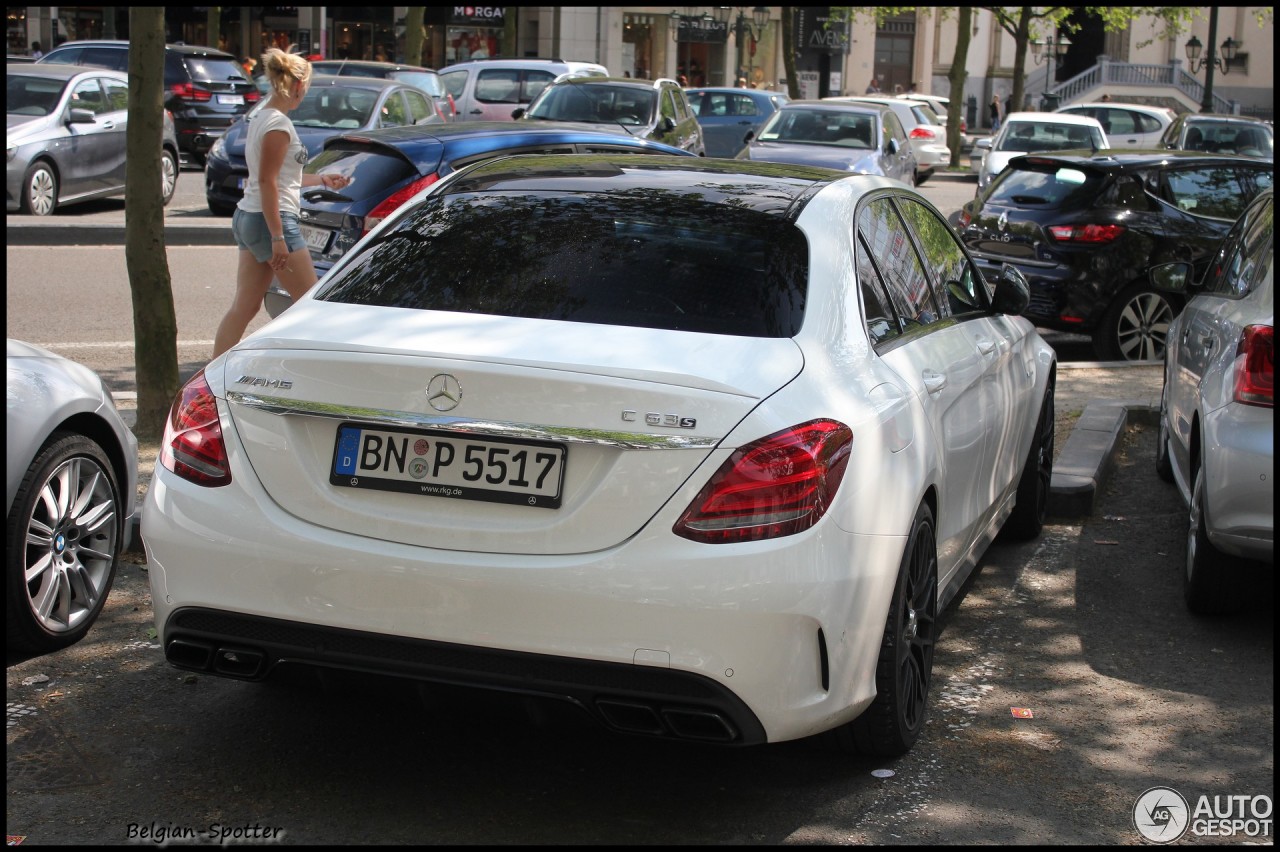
534, 82
1125, 193
107, 57
955, 285
1244, 254
454, 82
683, 112
668, 106
88, 95
418, 108
904, 275
893, 127
393, 112
1211, 191
743, 105
117, 94
877, 312
498, 86
1146, 123
66, 56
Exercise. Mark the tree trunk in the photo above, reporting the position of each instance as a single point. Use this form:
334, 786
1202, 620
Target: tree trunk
510, 33
789, 52
955, 104
1019, 61
213, 28
414, 36
155, 326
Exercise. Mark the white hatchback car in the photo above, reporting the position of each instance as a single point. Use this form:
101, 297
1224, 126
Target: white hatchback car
1217, 412
709, 475
1037, 132
1126, 125
925, 130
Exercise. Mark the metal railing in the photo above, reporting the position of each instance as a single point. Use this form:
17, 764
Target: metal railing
1133, 75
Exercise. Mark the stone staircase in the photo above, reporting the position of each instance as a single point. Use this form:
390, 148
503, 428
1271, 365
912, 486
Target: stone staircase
1158, 85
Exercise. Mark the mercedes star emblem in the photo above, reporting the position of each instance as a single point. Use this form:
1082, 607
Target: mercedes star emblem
444, 393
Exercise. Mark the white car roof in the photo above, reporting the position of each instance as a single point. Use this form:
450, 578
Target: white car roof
1055, 117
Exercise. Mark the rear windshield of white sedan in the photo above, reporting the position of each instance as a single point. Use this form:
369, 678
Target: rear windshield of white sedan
677, 262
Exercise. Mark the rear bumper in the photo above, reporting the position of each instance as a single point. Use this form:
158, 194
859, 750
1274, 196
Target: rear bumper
1239, 489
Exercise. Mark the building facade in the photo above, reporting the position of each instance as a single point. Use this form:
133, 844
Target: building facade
833, 56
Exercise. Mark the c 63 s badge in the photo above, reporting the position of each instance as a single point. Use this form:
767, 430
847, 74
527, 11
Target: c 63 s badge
652, 418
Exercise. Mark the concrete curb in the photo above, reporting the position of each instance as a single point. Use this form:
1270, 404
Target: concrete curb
1086, 461
203, 233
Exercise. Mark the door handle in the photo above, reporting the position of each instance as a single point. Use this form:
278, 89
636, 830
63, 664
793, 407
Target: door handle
476, 112
1208, 342
934, 382
108, 125
986, 347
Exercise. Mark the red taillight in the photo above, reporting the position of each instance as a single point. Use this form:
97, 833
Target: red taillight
395, 199
187, 90
965, 218
193, 447
922, 133
1085, 233
777, 486
1256, 367
252, 97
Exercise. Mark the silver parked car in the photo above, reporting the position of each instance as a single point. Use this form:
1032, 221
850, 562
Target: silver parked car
926, 131
862, 139
65, 128
1217, 414
70, 488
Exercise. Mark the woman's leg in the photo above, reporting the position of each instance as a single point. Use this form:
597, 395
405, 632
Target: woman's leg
252, 279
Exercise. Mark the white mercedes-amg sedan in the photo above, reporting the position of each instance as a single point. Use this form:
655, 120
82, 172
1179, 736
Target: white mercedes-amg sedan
700, 446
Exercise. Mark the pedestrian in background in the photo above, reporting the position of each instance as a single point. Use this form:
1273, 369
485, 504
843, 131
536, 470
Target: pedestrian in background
873, 88
265, 224
36, 52
1106, 99
995, 113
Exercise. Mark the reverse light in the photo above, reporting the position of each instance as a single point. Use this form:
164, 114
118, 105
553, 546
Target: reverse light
1095, 234
1256, 367
395, 199
777, 486
188, 90
192, 446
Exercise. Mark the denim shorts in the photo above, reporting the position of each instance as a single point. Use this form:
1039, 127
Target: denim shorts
251, 233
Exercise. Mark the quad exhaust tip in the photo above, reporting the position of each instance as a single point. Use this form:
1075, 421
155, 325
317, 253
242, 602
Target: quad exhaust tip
633, 717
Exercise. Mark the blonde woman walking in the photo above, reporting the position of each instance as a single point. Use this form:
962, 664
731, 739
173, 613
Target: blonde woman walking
265, 223
995, 113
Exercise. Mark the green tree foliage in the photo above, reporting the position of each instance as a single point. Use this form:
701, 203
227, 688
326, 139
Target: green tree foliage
155, 325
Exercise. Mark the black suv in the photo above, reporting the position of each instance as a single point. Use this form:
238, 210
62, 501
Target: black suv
204, 88
651, 109
1086, 231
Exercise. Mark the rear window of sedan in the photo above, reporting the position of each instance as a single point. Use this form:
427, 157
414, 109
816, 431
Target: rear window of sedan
1033, 136
1048, 185
612, 259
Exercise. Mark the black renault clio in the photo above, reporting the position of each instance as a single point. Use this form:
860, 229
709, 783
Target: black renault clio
1085, 230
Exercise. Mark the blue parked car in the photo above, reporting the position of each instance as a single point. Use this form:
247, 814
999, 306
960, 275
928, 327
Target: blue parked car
332, 105
388, 167
727, 115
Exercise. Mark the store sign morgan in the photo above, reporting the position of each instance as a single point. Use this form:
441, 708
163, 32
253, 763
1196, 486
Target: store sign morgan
478, 15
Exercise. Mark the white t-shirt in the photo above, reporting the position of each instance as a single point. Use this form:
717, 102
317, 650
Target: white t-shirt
289, 181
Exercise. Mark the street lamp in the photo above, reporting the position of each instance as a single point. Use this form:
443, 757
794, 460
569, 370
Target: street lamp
1210, 63
1053, 47
744, 27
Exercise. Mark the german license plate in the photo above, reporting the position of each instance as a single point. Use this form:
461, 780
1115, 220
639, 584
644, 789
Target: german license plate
235, 100
446, 464
317, 238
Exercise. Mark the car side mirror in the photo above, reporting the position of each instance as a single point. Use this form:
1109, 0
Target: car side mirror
983, 143
1172, 277
668, 124
891, 146
1013, 294
517, 112
746, 140
80, 116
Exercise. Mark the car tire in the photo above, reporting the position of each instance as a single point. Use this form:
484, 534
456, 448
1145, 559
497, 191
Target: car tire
921, 177
1136, 325
904, 670
1164, 461
1027, 518
40, 190
169, 169
63, 536
1211, 577
217, 208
